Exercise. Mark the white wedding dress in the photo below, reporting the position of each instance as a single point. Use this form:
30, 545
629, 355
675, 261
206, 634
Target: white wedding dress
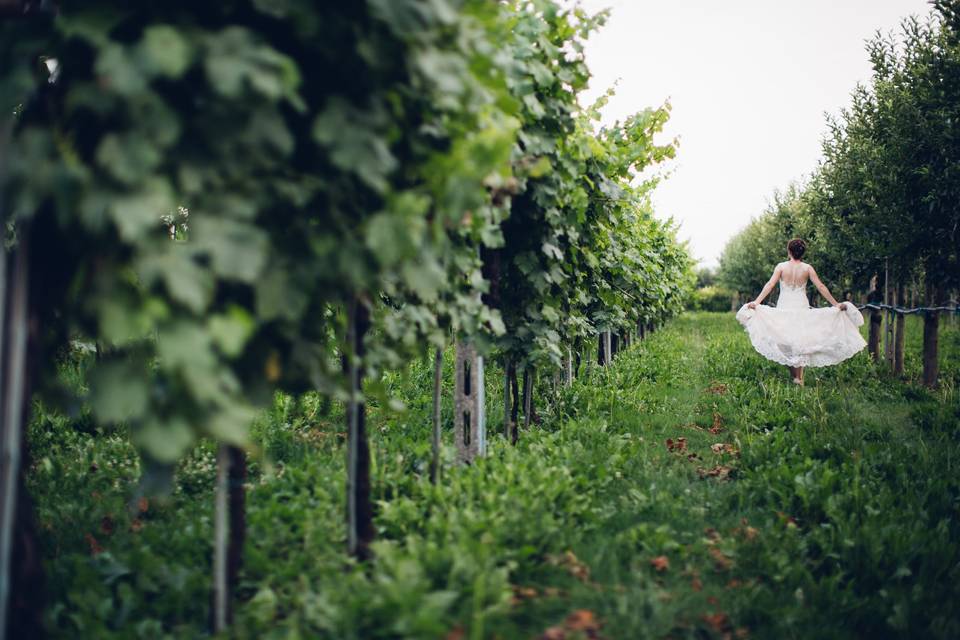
796, 335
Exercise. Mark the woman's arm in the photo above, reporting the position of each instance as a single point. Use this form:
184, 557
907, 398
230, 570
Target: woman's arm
767, 288
822, 288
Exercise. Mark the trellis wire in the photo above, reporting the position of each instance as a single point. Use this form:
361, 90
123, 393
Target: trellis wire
880, 307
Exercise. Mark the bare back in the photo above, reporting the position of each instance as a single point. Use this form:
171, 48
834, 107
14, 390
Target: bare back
794, 274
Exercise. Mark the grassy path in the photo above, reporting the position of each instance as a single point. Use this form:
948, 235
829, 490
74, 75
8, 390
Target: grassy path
688, 491
838, 517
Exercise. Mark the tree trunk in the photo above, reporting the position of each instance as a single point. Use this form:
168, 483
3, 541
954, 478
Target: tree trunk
931, 339
360, 530
435, 440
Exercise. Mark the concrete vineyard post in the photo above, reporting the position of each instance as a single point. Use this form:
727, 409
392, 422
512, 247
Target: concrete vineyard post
469, 404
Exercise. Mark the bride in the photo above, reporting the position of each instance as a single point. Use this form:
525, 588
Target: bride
793, 333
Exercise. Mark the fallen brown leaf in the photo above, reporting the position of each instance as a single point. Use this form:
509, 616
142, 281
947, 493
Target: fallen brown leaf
717, 388
95, 547
718, 621
720, 472
717, 423
581, 620
572, 564
721, 562
660, 563
679, 445
554, 633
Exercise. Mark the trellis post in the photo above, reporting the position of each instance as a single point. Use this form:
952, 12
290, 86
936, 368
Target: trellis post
888, 319
470, 433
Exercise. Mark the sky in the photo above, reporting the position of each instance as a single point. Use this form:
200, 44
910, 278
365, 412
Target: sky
749, 81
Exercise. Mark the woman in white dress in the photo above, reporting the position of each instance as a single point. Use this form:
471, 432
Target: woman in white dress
793, 333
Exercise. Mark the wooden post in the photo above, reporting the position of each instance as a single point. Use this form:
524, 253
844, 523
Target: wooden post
876, 319
568, 369
527, 396
360, 531
470, 434
607, 349
230, 527
507, 423
435, 440
900, 333
13, 350
221, 530
931, 338
888, 316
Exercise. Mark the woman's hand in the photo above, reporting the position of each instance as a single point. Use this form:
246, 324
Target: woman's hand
841, 305
752, 305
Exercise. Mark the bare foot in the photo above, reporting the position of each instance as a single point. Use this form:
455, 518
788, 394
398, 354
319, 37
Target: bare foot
798, 381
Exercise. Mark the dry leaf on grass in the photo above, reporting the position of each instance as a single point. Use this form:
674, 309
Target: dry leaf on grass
717, 423
582, 620
717, 388
678, 446
95, 547
720, 472
719, 622
457, 633
554, 633
660, 563
572, 564
721, 562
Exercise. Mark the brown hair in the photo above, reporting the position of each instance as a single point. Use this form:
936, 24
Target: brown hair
797, 248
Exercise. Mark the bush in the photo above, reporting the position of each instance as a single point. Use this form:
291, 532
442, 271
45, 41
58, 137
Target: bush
711, 299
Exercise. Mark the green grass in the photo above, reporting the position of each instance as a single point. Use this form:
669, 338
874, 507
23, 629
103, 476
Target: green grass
838, 515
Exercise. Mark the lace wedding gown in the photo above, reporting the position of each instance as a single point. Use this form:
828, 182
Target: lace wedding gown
796, 335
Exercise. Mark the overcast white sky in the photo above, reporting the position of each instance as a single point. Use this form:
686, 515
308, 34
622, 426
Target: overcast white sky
749, 81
